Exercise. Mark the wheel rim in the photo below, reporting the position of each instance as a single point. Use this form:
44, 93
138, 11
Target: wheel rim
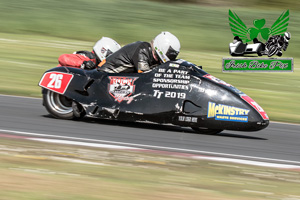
59, 103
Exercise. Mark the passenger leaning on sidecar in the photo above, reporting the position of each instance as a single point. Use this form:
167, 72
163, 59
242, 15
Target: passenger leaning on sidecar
89, 60
143, 56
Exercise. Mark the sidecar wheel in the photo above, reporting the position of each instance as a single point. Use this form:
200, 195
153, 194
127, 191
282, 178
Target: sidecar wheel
206, 131
59, 106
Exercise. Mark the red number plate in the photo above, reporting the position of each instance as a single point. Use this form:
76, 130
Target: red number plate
56, 81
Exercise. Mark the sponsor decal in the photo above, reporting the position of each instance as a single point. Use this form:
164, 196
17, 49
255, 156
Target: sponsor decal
103, 50
173, 65
188, 119
216, 80
256, 106
219, 81
121, 88
161, 55
227, 113
171, 78
258, 41
56, 81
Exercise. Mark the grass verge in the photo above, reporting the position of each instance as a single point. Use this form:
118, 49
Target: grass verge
36, 170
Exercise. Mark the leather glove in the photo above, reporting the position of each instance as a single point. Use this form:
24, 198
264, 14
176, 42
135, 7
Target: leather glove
88, 65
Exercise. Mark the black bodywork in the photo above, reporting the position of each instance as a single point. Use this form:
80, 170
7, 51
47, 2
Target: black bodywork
177, 92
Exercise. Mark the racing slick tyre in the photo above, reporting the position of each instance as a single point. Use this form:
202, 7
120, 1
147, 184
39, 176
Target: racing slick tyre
206, 131
272, 51
279, 53
61, 107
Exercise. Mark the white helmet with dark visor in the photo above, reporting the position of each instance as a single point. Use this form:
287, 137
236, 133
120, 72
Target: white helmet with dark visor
167, 46
105, 47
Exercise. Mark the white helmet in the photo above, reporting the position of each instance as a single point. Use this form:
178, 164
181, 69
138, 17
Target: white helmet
105, 47
287, 36
167, 46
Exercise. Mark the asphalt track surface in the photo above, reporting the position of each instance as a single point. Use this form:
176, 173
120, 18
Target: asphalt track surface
278, 141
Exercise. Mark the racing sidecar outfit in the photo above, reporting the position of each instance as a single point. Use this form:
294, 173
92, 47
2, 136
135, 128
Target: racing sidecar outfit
134, 57
77, 59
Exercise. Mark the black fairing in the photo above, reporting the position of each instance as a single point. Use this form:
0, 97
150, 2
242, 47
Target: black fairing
175, 92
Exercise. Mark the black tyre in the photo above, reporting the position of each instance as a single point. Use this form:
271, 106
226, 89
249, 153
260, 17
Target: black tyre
272, 51
279, 53
206, 131
59, 106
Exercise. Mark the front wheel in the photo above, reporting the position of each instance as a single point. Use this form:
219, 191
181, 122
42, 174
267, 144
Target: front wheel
207, 131
59, 106
272, 51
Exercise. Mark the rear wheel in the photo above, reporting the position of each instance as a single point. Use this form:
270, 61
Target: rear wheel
207, 131
60, 106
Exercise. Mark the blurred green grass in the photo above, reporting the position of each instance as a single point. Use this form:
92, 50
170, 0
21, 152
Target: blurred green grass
36, 170
34, 33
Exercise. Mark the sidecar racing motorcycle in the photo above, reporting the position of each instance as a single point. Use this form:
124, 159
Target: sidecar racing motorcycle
175, 92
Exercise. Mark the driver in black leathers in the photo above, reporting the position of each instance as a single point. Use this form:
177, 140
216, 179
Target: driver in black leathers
143, 56
282, 41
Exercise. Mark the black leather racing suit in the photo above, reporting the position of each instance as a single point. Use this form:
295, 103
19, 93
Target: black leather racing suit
277, 40
134, 57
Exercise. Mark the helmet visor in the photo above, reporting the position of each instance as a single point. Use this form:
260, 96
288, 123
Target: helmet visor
109, 52
172, 54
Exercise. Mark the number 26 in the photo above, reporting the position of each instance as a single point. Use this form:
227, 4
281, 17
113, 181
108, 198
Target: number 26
55, 81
